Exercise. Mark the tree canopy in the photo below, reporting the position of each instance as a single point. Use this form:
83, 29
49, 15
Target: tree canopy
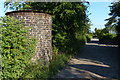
114, 20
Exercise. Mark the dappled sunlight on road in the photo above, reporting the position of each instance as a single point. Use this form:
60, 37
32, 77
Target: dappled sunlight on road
73, 72
88, 62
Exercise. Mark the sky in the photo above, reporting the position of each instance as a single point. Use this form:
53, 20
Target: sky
2, 8
99, 12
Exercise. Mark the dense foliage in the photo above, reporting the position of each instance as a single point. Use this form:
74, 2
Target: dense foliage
16, 48
104, 34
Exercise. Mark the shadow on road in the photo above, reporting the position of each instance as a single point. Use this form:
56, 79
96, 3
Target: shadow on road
101, 53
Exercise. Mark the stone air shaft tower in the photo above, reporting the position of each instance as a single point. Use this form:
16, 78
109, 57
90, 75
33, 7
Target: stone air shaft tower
41, 24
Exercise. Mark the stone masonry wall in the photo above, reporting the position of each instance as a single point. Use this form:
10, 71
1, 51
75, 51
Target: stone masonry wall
41, 24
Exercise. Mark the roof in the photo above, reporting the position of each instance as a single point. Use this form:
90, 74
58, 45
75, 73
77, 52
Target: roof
7, 13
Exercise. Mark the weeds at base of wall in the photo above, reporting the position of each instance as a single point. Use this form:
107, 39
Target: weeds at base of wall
46, 71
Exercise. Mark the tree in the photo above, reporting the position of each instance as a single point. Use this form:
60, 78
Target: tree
114, 20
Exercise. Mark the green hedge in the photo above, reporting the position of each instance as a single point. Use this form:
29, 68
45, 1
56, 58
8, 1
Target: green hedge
16, 48
88, 37
107, 36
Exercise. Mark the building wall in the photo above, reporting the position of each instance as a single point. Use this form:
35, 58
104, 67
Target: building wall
41, 24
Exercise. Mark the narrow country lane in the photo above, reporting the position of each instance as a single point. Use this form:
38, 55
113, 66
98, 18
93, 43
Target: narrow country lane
93, 61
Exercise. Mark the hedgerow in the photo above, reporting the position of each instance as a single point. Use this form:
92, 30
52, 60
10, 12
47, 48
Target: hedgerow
16, 47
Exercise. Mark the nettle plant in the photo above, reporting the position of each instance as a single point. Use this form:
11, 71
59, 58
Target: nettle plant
16, 47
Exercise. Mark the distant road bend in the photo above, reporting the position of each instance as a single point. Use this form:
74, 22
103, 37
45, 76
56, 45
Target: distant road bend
93, 61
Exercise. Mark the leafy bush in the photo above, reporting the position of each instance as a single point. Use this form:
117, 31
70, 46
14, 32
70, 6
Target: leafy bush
104, 35
36, 70
79, 42
107, 36
88, 37
16, 47
58, 62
